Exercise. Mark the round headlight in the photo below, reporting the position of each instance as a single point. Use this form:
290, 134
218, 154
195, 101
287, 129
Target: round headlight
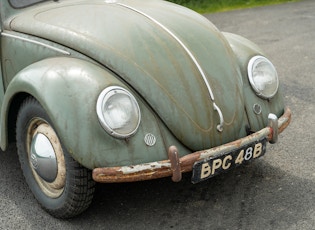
263, 77
118, 112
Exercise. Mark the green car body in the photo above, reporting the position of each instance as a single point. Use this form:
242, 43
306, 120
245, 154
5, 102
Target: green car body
189, 79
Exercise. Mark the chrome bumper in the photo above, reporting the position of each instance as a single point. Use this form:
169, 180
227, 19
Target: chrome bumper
175, 166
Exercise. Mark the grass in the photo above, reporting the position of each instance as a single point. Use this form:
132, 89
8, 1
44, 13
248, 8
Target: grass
210, 6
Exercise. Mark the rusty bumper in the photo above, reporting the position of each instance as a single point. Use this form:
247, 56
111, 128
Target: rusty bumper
175, 166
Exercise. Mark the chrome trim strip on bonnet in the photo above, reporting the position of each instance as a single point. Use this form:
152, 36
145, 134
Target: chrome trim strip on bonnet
192, 57
35, 42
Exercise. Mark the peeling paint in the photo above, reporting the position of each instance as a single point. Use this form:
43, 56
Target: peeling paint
143, 167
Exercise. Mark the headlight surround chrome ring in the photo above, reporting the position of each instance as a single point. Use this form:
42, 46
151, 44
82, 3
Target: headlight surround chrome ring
263, 77
118, 112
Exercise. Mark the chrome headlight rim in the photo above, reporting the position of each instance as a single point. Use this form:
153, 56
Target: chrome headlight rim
253, 62
103, 97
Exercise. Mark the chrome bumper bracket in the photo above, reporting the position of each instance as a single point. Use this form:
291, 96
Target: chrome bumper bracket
273, 124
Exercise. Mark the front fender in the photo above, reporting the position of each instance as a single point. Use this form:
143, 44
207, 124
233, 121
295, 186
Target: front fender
244, 50
51, 81
68, 89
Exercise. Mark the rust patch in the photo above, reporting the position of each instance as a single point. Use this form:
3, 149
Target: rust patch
175, 164
284, 120
115, 175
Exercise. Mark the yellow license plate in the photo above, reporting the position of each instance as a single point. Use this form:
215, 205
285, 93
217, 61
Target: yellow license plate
207, 168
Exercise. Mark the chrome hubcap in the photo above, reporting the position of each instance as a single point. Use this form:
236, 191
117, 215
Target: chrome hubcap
46, 158
43, 158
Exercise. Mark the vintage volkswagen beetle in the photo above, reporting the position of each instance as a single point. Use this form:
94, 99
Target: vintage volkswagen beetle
128, 90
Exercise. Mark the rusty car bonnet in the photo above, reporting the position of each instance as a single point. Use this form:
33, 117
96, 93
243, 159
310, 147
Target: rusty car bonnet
177, 61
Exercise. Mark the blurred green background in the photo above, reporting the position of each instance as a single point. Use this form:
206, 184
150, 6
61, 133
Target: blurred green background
209, 6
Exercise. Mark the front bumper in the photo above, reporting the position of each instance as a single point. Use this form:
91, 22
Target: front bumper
175, 166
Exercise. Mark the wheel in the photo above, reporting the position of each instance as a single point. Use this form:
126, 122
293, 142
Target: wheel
62, 186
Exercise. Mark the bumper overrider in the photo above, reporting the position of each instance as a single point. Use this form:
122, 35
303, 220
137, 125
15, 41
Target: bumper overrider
175, 166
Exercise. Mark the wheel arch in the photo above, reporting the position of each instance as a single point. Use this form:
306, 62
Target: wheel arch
50, 82
9, 119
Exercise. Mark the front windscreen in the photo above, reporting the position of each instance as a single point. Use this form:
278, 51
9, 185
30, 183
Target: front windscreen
24, 3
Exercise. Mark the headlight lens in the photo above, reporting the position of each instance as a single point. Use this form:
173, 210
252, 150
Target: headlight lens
118, 112
263, 77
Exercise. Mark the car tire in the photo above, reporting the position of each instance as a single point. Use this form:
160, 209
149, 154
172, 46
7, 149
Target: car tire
62, 186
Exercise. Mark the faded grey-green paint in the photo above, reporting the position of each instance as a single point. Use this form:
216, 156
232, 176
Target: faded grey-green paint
143, 55
72, 111
112, 45
1, 85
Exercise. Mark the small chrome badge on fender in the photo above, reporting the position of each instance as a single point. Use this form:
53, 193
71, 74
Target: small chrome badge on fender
149, 139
